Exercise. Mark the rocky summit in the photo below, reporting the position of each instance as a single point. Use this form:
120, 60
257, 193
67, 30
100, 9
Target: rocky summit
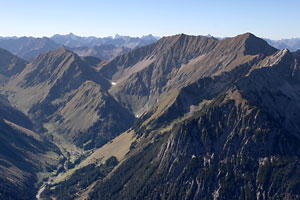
184, 117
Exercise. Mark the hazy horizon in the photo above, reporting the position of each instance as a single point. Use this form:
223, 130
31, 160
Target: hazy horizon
266, 19
158, 37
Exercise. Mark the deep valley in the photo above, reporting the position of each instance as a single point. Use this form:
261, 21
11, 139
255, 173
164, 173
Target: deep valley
180, 117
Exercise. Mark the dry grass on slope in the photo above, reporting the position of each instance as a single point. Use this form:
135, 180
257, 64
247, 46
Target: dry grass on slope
118, 147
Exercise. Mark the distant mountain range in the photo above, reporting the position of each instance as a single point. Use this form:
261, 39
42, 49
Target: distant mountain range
72, 40
105, 48
104, 52
184, 117
291, 44
29, 48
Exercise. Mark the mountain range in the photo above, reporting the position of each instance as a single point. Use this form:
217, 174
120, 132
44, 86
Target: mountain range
72, 40
105, 48
292, 44
29, 48
184, 117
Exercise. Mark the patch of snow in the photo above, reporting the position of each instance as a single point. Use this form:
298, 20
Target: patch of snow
113, 83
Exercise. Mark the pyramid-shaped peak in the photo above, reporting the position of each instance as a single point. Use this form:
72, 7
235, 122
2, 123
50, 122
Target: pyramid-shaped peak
59, 51
251, 44
72, 35
182, 35
52, 55
248, 35
244, 37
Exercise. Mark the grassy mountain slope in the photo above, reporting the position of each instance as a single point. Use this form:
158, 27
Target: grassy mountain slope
64, 90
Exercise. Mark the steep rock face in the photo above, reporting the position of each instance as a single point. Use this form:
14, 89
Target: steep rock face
145, 74
243, 143
193, 97
220, 153
276, 89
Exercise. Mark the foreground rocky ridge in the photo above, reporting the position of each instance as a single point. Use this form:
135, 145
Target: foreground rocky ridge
240, 145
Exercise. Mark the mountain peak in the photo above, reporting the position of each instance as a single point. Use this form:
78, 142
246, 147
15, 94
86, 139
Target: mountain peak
247, 35
251, 44
51, 57
59, 51
181, 36
176, 39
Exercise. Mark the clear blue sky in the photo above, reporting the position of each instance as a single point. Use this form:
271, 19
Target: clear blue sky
273, 19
